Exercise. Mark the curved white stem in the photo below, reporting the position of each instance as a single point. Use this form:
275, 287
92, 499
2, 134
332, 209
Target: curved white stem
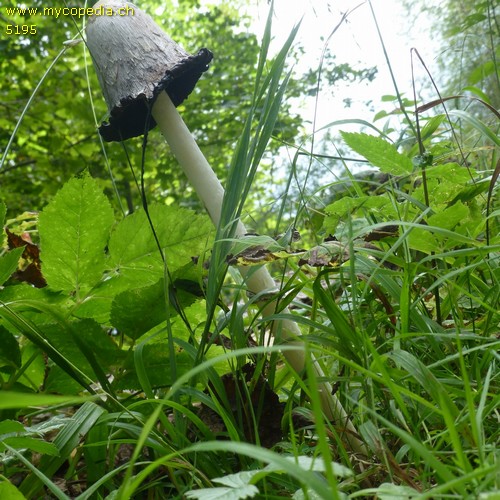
211, 193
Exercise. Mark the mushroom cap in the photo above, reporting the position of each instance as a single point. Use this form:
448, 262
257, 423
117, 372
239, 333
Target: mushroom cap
135, 60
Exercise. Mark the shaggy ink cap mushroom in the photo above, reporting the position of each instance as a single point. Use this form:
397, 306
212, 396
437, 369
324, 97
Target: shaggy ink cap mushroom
135, 61
140, 67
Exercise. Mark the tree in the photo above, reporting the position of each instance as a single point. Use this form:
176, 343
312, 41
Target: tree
58, 135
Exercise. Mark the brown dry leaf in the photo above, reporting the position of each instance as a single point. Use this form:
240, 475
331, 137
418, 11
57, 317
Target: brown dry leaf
29, 270
329, 253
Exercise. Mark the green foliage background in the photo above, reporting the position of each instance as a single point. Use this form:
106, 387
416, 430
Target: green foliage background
396, 289
59, 137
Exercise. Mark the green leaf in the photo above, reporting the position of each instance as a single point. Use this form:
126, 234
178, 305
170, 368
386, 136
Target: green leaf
347, 338
328, 253
133, 251
242, 244
74, 229
93, 338
29, 443
449, 217
135, 261
388, 491
239, 485
14, 400
311, 495
20, 294
155, 363
8, 263
35, 364
10, 354
478, 92
278, 462
67, 439
221, 493
313, 464
151, 359
431, 126
423, 240
9, 492
451, 172
480, 72
135, 312
379, 153
348, 208
11, 426
237, 480
424, 376
480, 126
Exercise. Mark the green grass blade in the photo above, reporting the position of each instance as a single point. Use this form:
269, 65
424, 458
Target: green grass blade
41, 477
66, 441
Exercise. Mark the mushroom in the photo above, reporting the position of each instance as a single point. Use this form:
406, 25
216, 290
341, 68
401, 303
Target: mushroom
139, 67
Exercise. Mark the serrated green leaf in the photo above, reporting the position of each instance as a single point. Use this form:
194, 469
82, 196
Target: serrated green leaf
9, 492
135, 262
379, 153
348, 208
134, 254
451, 172
74, 229
8, 263
10, 354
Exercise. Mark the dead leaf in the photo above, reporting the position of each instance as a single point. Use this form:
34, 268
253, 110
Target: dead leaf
30, 267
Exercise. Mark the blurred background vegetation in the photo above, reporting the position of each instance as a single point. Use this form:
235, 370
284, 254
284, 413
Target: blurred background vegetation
59, 137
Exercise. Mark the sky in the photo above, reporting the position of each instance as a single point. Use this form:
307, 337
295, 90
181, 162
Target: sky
357, 42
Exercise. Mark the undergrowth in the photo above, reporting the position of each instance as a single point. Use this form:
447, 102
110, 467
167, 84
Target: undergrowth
118, 381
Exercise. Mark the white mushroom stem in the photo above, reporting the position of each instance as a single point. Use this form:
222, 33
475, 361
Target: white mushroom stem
211, 193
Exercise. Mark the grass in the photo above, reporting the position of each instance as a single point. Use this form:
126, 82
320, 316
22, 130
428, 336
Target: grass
402, 316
